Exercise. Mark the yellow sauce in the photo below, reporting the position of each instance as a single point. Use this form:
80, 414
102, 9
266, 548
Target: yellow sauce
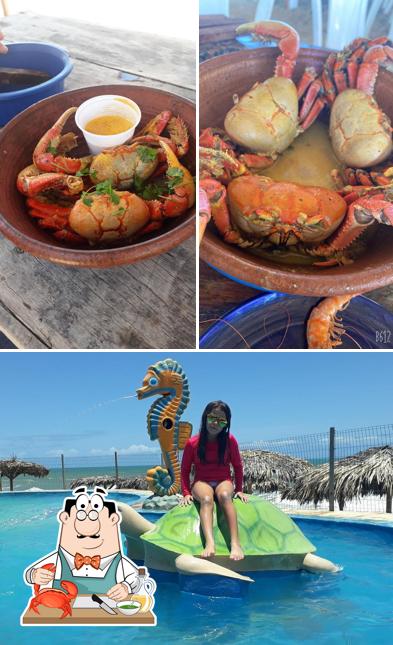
109, 124
309, 160
125, 101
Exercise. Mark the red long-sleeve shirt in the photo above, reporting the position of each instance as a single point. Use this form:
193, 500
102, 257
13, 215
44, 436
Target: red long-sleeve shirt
211, 470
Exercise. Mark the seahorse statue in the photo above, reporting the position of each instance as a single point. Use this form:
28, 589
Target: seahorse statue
167, 380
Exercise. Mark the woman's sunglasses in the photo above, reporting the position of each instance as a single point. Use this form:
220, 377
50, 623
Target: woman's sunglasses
221, 422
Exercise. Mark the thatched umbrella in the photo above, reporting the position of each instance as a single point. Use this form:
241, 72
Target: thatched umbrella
107, 481
267, 471
312, 486
13, 467
368, 472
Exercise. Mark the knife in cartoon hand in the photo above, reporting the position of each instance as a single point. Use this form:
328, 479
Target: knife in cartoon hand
103, 604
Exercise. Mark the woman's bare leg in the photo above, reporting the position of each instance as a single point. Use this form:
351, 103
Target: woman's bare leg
224, 492
204, 494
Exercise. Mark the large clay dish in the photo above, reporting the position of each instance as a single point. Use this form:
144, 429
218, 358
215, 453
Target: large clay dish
220, 79
17, 142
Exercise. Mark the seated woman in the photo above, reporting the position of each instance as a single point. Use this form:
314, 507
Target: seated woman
211, 452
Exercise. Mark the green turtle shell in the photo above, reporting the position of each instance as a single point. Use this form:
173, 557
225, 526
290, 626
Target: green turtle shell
263, 530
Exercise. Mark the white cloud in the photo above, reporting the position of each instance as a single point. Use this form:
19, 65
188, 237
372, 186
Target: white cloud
283, 442
71, 452
134, 449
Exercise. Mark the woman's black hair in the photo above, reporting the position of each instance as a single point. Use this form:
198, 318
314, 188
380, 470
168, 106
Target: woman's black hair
222, 438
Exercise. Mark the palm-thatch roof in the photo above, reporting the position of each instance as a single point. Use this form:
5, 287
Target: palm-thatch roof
107, 481
13, 467
267, 471
368, 472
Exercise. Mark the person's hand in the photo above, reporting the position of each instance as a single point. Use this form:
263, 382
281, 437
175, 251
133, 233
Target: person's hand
118, 592
3, 50
242, 496
187, 499
42, 576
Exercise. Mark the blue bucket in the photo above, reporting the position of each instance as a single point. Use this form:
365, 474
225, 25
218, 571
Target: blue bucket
43, 57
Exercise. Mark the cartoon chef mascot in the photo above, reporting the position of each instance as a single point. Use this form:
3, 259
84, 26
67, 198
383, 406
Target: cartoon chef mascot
89, 550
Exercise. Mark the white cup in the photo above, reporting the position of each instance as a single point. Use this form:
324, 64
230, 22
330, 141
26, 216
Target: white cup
107, 104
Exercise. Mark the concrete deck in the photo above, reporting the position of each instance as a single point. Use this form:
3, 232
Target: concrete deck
347, 515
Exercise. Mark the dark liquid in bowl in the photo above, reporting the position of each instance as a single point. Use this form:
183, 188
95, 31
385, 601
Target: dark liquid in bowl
14, 80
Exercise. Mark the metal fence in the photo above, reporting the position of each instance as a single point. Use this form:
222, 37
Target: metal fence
338, 456
327, 455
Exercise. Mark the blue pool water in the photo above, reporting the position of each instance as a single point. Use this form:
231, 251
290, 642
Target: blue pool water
353, 606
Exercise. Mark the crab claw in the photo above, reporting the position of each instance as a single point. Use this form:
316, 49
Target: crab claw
32, 184
361, 213
221, 164
216, 139
183, 195
288, 42
157, 124
45, 155
217, 196
70, 588
368, 70
179, 135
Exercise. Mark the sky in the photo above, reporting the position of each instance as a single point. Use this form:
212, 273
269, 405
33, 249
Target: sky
70, 402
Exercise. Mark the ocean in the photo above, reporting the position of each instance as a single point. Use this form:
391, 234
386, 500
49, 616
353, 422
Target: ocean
54, 480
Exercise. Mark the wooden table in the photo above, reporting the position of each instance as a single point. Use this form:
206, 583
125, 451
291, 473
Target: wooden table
145, 305
96, 616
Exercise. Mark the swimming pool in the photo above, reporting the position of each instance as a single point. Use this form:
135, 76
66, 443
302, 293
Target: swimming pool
353, 606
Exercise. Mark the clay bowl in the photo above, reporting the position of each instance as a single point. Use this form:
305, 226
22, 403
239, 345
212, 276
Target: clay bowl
17, 142
220, 79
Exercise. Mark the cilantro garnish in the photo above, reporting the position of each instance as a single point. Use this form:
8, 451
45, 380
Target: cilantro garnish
106, 188
153, 191
160, 187
146, 154
175, 172
81, 173
138, 184
103, 188
175, 177
85, 172
86, 200
52, 149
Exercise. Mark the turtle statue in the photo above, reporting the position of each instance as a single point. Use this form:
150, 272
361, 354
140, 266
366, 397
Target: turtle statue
269, 538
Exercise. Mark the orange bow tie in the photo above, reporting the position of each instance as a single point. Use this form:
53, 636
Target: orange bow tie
80, 560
